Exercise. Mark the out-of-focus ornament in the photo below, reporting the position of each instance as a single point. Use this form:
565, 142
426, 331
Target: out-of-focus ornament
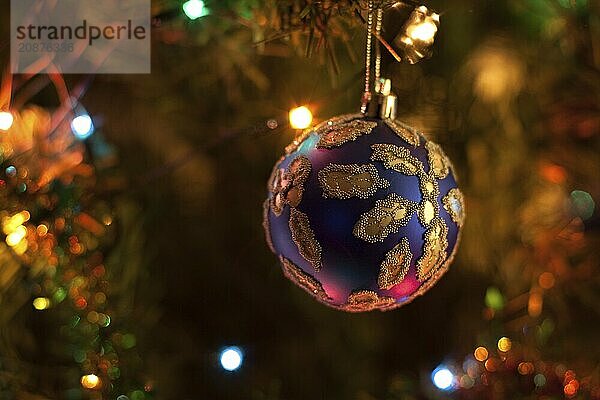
418, 34
363, 211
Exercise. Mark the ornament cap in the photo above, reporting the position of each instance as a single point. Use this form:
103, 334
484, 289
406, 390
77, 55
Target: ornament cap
384, 103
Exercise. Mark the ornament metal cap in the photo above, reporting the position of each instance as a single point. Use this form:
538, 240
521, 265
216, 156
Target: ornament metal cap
384, 103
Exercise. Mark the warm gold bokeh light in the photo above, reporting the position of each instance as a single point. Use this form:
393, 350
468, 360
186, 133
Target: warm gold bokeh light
504, 344
41, 303
90, 381
300, 117
15, 237
6, 120
481, 354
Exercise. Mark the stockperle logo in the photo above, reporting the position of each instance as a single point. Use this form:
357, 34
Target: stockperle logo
80, 36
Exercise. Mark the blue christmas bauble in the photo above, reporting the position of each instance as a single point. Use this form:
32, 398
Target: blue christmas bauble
363, 213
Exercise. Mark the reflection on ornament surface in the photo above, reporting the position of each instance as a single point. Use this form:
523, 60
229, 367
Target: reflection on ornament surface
363, 213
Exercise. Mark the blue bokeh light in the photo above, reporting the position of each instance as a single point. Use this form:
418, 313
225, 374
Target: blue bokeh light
443, 378
82, 126
231, 358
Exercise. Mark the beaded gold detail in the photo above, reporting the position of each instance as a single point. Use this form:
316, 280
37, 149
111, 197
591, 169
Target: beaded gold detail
267, 226
396, 158
454, 203
346, 181
287, 187
438, 161
367, 300
399, 159
304, 280
408, 134
429, 186
336, 135
324, 126
434, 249
395, 266
304, 237
385, 218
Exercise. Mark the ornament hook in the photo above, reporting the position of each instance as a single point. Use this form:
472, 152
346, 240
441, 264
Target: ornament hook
383, 104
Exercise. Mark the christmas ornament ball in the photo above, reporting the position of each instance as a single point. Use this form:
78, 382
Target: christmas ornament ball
364, 213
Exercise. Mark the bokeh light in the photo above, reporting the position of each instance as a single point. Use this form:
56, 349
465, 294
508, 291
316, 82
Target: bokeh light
90, 381
480, 353
504, 344
494, 299
583, 204
525, 368
6, 120
539, 380
82, 126
443, 378
546, 280
231, 358
195, 9
300, 117
41, 303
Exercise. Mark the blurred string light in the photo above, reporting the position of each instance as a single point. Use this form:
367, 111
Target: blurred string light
504, 344
82, 126
16, 232
90, 381
41, 303
525, 368
6, 120
300, 117
583, 204
231, 358
539, 380
195, 9
37, 240
494, 298
272, 124
443, 378
480, 353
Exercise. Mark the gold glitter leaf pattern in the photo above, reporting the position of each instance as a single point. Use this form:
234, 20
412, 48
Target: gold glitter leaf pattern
396, 158
304, 237
346, 181
434, 249
336, 135
438, 161
325, 126
429, 207
454, 203
287, 186
427, 211
385, 218
367, 300
304, 280
395, 266
409, 135
429, 187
